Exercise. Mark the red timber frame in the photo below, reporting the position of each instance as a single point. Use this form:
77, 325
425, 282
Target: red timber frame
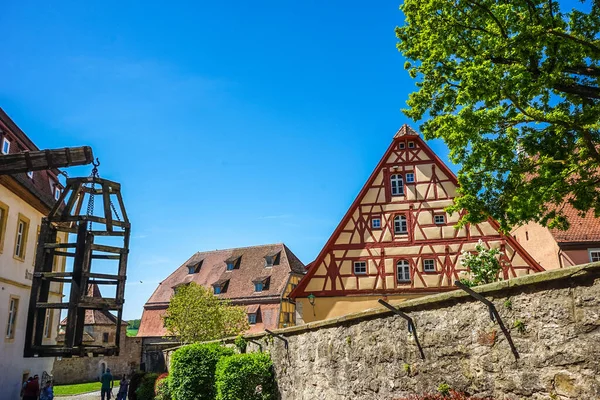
447, 266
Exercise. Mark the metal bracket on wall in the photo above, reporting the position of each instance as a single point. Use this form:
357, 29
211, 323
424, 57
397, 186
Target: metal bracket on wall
284, 340
256, 343
494, 316
411, 325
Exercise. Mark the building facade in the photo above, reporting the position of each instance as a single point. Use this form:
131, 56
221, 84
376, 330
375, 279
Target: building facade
25, 199
396, 241
554, 248
259, 278
100, 329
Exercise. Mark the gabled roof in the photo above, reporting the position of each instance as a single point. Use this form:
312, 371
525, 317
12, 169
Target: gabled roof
584, 228
214, 271
403, 132
97, 317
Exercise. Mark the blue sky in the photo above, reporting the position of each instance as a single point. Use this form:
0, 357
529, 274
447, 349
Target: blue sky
228, 124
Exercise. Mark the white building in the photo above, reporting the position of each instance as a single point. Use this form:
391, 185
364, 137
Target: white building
24, 199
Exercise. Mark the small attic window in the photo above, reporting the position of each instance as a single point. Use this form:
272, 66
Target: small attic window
220, 286
411, 145
233, 263
401, 145
194, 268
262, 283
272, 259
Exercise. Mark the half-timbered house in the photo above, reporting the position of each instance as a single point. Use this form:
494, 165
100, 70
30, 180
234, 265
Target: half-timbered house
396, 241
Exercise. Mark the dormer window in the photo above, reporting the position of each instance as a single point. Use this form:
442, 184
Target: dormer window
397, 185
253, 312
261, 283
5, 146
272, 259
233, 263
194, 267
220, 286
252, 319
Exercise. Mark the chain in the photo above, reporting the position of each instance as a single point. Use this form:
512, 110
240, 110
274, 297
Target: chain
90, 209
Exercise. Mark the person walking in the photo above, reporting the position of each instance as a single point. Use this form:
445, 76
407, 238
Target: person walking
107, 385
47, 392
123, 386
32, 389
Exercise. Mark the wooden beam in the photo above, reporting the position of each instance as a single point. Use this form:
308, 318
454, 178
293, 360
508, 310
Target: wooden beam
45, 159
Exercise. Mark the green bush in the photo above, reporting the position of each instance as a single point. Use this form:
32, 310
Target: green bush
134, 383
245, 376
146, 389
192, 373
162, 390
241, 343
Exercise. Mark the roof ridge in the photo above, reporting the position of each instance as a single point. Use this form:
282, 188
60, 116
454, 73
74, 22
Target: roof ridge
241, 248
405, 130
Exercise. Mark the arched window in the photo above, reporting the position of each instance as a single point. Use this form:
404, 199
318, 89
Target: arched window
397, 185
400, 226
403, 271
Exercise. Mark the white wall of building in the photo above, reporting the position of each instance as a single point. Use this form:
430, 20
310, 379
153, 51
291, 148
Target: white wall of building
15, 281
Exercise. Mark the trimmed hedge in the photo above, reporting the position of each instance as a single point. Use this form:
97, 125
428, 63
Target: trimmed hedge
146, 389
192, 372
245, 376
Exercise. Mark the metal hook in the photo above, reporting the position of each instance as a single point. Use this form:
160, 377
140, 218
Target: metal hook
96, 163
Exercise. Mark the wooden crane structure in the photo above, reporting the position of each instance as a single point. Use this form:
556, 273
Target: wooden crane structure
101, 231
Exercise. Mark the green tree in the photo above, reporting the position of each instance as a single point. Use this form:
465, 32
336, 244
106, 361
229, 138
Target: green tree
195, 315
512, 87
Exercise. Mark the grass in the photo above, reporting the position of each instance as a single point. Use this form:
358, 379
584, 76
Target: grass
132, 332
79, 388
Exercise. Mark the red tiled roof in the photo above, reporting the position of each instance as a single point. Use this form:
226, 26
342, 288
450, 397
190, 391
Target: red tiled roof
252, 308
405, 130
581, 229
240, 289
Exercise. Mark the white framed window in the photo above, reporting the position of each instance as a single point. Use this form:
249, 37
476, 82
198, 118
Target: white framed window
5, 146
30, 174
397, 185
401, 145
21, 239
429, 265
400, 225
376, 223
594, 255
252, 318
13, 309
57, 193
410, 177
360, 267
439, 219
411, 145
403, 271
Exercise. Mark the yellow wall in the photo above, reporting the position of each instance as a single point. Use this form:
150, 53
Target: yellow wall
287, 314
539, 242
331, 307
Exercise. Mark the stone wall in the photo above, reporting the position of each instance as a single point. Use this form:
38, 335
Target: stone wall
371, 355
88, 369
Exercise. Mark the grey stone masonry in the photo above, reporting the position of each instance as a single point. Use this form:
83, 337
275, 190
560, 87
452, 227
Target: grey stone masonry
553, 318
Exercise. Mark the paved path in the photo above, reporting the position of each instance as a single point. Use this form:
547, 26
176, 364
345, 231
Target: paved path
88, 396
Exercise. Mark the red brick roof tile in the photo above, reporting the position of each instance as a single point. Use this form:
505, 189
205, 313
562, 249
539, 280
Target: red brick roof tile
582, 228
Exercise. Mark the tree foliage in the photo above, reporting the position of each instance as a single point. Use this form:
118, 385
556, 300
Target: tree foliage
483, 264
195, 315
512, 87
